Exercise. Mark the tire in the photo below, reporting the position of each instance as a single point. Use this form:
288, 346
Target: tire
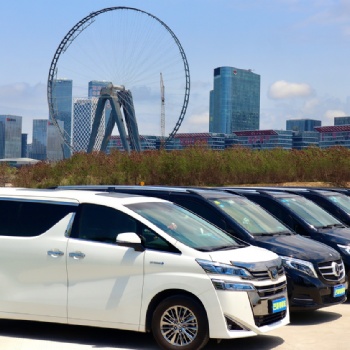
180, 322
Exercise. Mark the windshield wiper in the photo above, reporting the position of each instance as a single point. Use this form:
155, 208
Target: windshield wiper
223, 247
332, 226
282, 233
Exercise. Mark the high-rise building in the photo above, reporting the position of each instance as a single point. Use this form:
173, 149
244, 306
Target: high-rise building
24, 145
341, 121
10, 136
62, 96
301, 125
95, 87
47, 143
84, 113
234, 100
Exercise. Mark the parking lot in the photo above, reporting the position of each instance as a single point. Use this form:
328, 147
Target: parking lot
323, 329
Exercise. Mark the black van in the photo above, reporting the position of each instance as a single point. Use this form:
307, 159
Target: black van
304, 217
315, 272
335, 202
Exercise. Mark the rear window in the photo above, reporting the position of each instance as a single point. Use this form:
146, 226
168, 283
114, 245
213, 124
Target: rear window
28, 219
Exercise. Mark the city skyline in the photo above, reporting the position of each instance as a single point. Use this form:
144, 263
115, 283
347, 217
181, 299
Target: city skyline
299, 49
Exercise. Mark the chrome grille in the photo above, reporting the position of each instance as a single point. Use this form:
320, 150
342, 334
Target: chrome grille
264, 274
332, 270
271, 289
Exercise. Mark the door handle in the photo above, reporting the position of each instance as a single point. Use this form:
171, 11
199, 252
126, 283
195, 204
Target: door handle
77, 255
55, 253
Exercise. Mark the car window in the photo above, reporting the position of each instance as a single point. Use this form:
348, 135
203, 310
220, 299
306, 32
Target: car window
309, 211
185, 226
202, 209
103, 224
28, 219
249, 215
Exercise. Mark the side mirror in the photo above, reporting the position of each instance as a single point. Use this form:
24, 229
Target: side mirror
131, 240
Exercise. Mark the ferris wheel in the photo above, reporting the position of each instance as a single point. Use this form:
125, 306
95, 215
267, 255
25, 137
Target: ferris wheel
128, 48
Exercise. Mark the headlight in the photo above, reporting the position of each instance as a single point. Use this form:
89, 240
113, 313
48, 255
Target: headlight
300, 265
344, 248
223, 269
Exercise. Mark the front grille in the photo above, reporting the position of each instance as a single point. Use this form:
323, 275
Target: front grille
264, 274
271, 289
332, 270
263, 320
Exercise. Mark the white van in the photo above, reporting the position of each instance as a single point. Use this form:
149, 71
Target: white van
134, 263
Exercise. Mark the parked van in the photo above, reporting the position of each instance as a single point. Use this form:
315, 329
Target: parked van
133, 263
304, 217
315, 272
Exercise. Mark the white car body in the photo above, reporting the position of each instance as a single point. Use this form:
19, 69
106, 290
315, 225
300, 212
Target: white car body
53, 277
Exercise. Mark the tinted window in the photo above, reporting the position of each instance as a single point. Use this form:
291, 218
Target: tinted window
27, 219
309, 211
201, 208
103, 224
249, 215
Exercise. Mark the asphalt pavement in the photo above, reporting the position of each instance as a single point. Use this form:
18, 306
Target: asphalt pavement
323, 329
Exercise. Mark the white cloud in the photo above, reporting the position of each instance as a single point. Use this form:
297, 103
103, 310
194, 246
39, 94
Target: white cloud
195, 123
283, 90
311, 105
331, 113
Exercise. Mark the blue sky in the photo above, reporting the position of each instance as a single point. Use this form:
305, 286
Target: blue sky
300, 48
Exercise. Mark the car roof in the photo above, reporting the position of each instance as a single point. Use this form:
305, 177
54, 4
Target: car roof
98, 197
202, 192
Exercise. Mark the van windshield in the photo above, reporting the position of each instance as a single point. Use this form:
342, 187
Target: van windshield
340, 200
250, 216
309, 211
185, 226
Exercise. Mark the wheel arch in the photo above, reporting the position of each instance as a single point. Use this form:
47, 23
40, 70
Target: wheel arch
163, 295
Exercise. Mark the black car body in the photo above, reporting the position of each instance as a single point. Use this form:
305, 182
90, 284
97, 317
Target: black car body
315, 272
304, 217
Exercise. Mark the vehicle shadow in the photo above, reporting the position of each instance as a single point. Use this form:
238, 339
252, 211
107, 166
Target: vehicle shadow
102, 338
81, 337
316, 317
91, 337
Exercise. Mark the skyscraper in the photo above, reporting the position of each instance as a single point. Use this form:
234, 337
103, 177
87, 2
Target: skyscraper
95, 87
84, 114
10, 136
62, 95
234, 100
47, 143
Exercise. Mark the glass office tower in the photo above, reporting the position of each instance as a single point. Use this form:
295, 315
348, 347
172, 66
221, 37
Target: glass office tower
62, 95
47, 143
234, 101
301, 125
10, 136
95, 87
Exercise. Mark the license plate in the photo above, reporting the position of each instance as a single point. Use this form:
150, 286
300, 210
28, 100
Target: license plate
279, 305
339, 290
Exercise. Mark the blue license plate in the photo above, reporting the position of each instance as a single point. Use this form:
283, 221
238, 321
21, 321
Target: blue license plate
339, 290
279, 305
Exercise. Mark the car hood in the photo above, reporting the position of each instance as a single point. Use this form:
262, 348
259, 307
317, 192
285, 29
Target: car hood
335, 235
250, 254
299, 247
